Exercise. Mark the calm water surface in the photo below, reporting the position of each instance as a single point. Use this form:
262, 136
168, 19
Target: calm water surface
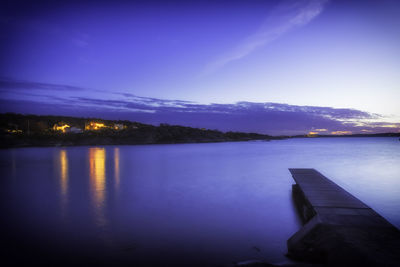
204, 204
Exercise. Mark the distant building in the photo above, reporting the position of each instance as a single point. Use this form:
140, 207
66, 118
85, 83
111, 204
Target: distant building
119, 126
62, 127
74, 130
13, 131
94, 126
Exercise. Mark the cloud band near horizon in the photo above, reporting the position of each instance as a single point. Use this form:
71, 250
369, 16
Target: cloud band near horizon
269, 118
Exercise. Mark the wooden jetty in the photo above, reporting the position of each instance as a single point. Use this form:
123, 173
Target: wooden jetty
339, 229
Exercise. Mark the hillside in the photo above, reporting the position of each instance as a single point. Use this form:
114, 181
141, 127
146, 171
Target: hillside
32, 130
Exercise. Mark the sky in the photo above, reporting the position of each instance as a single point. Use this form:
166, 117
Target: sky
275, 67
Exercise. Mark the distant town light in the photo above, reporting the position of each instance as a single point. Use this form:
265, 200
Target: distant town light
94, 126
61, 127
14, 131
119, 126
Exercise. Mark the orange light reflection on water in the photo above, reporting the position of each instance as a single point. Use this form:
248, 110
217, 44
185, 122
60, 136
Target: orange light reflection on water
64, 173
116, 168
97, 172
63, 161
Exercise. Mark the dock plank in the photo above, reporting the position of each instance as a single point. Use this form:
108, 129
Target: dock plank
321, 192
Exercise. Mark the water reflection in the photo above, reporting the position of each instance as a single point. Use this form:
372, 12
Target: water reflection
13, 165
116, 168
97, 172
63, 161
211, 201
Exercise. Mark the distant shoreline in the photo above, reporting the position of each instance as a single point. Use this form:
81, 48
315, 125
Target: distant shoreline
32, 142
348, 135
17, 130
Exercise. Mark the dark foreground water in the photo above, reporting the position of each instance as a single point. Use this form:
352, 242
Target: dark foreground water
187, 204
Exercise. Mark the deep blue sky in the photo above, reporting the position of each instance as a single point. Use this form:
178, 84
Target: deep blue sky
124, 59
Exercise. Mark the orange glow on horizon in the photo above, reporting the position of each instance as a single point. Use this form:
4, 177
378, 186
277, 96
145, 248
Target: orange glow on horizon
390, 126
341, 132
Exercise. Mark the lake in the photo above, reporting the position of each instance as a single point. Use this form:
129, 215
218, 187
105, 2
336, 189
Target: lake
207, 204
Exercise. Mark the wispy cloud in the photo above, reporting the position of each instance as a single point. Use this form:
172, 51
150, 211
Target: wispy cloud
283, 18
10, 85
80, 39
